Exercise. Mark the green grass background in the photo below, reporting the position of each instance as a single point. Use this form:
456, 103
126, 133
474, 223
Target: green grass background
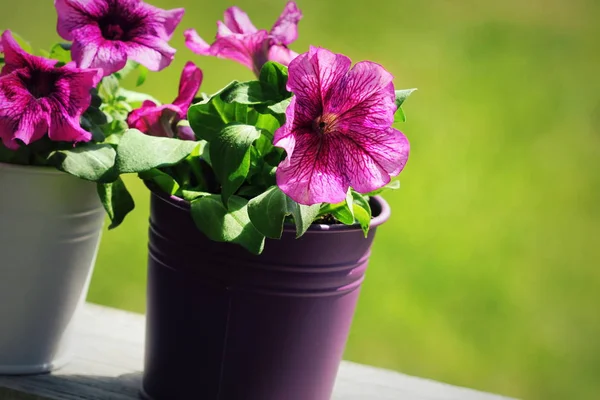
488, 273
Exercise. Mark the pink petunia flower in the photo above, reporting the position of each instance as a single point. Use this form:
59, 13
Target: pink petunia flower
162, 120
338, 130
105, 33
38, 98
239, 40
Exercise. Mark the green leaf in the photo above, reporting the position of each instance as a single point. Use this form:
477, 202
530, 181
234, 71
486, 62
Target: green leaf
275, 76
164, 181
117, 201
279, 108
135, 99
393, 185
230, 155
191, 195
253, 92
142, 76
362, 211
269, 210
108, 88
227, 224
399, 116
61, 52
208, 118
344, 212
92, 161
137, 152
126, 70
401, 95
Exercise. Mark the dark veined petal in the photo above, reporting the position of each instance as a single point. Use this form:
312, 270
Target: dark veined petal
338, 130
189, 83
91, 50
106, 32
238, 21
285, 30
21, 116
15, 57
312, 74
371, 157
152, 53
365, 93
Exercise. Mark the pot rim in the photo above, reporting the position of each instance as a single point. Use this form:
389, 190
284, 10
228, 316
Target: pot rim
379, 219
32, 169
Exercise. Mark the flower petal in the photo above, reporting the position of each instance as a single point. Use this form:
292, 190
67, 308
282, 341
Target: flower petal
247, 49
76, 14
370, 158
195, 43
366, 93
91, 50
312, 174
281, 54
191, 79
154, 120
312, 75
238, 21
63, 129
21, 116
171, 19
152, 53
15, 57
285, 30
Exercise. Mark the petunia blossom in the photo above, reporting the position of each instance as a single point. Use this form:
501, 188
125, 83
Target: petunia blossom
106, 33
38, 98
239, 40
163, 120
338, 131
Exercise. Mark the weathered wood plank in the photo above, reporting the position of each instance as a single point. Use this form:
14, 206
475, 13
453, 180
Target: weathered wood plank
109, 356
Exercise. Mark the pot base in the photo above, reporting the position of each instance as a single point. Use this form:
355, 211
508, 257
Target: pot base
34, 369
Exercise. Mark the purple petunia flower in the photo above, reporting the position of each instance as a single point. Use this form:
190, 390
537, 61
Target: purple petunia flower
38, 98
239, 40
105, 33
162, 120
338, 130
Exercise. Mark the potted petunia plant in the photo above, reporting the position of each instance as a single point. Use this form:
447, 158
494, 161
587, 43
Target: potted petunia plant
260, 236
63, 113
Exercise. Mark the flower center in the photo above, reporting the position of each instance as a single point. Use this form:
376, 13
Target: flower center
117, 27
324, 124
112, 32
40, 83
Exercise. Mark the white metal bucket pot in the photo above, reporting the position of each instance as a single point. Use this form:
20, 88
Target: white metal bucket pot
50, 227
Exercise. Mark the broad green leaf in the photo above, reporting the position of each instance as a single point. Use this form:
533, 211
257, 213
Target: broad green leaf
142, 76
138, 152
61, 52
208, 118
362, 211
275, 76
117, 201
393, 185
269, 210
191, 195
93, 162
279, 108
164, 181
253, 92
344, 212
230, 155
227, 224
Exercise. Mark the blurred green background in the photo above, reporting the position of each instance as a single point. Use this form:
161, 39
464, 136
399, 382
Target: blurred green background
488, 273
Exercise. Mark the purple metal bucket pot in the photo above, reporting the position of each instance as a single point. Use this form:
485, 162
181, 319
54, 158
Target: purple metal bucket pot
224, 324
